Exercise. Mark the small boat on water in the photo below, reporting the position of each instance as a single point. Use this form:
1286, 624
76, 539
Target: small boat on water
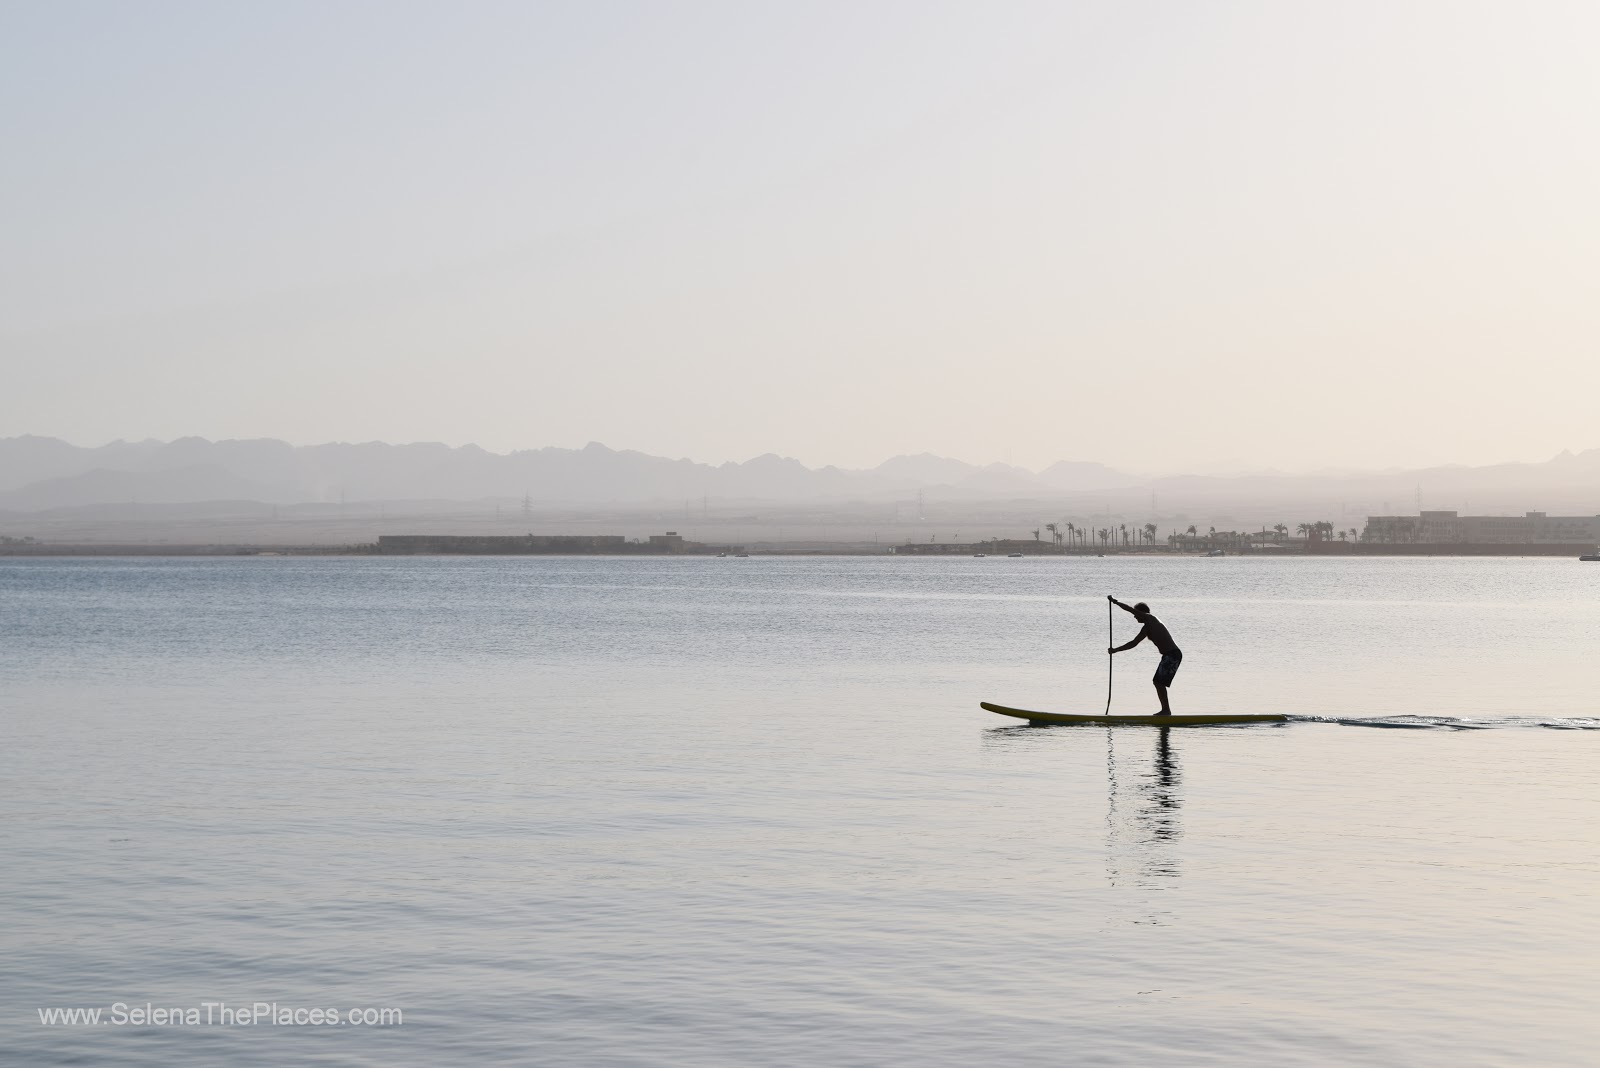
1594, 556
1217, 552
979, 556
1016, 555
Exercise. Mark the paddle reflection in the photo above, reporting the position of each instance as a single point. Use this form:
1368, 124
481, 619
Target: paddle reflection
1142, 817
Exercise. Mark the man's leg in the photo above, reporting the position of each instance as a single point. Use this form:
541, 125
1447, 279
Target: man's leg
1163, 678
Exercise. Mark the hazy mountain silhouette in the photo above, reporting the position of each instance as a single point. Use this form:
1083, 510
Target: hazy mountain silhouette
1076, 475
179, 485
39, 473
926, 469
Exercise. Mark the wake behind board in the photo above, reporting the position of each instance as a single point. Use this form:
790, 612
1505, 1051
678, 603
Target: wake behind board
1130, 721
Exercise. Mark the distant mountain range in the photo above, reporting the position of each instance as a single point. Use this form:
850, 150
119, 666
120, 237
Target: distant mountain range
39, 473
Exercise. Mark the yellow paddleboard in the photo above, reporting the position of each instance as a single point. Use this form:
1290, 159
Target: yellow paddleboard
1129, 721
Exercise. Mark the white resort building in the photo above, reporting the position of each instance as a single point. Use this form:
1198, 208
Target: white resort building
1448, 528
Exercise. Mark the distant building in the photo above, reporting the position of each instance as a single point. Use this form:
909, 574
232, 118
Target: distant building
492, 545
540, 544
1230, 540
992, 547
1448, 528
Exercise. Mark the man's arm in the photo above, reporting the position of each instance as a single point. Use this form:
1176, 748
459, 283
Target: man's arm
1120, 605
1143, 634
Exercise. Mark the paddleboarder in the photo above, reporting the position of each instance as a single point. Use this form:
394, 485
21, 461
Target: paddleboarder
1161, 638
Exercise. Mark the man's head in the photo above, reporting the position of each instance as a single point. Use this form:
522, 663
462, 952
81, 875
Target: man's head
1141, 610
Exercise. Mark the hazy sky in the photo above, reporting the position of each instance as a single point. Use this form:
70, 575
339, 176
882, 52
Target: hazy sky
1160, 235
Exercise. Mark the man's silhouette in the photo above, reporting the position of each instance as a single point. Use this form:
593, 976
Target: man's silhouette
1161, 638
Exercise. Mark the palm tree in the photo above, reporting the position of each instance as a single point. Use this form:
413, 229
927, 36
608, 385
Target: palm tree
1192, 532
1035, 533
1281, 530
1303, 528
1072, 531
1150, 533
1051, 527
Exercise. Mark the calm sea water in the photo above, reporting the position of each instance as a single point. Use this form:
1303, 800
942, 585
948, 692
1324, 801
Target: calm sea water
708, 812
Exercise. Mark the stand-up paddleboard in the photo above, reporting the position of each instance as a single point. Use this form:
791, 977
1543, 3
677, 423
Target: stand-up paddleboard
1147, 721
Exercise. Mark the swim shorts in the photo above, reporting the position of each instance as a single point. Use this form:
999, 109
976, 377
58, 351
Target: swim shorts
1168, 668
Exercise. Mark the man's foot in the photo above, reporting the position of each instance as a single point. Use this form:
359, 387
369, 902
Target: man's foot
1163, 713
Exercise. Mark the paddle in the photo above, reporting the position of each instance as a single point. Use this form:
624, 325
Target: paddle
1111, 658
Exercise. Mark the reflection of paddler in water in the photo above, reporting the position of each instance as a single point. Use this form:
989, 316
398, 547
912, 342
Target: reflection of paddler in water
1163, 790
1161, 638
1142, 835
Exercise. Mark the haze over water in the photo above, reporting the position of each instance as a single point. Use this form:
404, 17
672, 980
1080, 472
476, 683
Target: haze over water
708, 812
